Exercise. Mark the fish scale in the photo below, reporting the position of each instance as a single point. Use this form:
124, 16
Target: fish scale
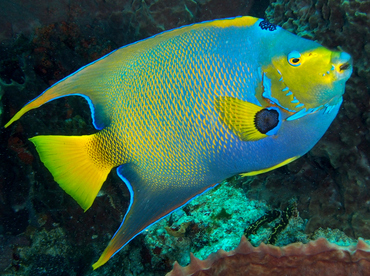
179, 112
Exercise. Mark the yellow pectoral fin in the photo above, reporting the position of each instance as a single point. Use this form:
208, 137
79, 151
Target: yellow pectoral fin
248, 121
69, 159
271, 168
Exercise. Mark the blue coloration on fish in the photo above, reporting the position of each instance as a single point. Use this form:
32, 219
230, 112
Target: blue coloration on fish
181, 111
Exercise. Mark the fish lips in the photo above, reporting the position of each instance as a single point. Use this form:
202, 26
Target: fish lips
343, 64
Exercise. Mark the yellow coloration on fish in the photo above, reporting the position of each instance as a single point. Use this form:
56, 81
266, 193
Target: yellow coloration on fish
76, 164
295, 79
271, 168
181, 111
239, 116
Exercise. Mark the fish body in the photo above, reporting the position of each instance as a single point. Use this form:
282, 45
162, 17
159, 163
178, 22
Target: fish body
181, 111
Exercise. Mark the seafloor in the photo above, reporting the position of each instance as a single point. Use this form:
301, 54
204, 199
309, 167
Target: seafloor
44, 232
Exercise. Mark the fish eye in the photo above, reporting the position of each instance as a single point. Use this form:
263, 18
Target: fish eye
294, 58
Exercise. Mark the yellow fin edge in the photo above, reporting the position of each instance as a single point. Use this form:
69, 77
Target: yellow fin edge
31, 105
104, 257
234, 22
271, 168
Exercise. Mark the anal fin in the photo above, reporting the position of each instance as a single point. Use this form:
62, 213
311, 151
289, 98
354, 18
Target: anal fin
151, 199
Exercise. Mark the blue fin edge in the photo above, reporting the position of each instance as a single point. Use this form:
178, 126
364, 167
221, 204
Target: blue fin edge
128, 184
89, 101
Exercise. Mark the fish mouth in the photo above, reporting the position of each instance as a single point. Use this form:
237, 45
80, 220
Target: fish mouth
345, 66
342, 63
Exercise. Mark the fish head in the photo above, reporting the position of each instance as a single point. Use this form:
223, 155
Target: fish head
303, 82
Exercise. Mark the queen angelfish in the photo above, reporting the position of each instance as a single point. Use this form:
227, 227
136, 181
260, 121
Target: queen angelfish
181, 111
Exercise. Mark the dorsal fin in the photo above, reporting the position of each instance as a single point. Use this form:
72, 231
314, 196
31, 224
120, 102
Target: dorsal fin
89, 82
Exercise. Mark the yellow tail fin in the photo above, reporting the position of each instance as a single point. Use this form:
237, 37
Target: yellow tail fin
75, 164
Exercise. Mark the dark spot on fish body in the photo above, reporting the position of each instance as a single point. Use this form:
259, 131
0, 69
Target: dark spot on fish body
265, 25
266, 120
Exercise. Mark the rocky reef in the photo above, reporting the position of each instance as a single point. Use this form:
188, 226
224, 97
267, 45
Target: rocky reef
44, 232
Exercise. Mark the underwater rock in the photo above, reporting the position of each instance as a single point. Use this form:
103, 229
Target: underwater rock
47, 265
334, 236
216, 220
1, 104
8, 251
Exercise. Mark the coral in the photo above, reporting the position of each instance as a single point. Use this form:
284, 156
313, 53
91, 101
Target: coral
16, 144
333, 236
266, 218
178, 232
43, 250
1, 104
119, 21
316, 257
214, 220
8, 251
271, 216
279, 227
221, 215
208, 231
44, 265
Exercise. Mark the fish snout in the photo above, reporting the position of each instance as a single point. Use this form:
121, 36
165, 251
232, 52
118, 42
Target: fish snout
342, 63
